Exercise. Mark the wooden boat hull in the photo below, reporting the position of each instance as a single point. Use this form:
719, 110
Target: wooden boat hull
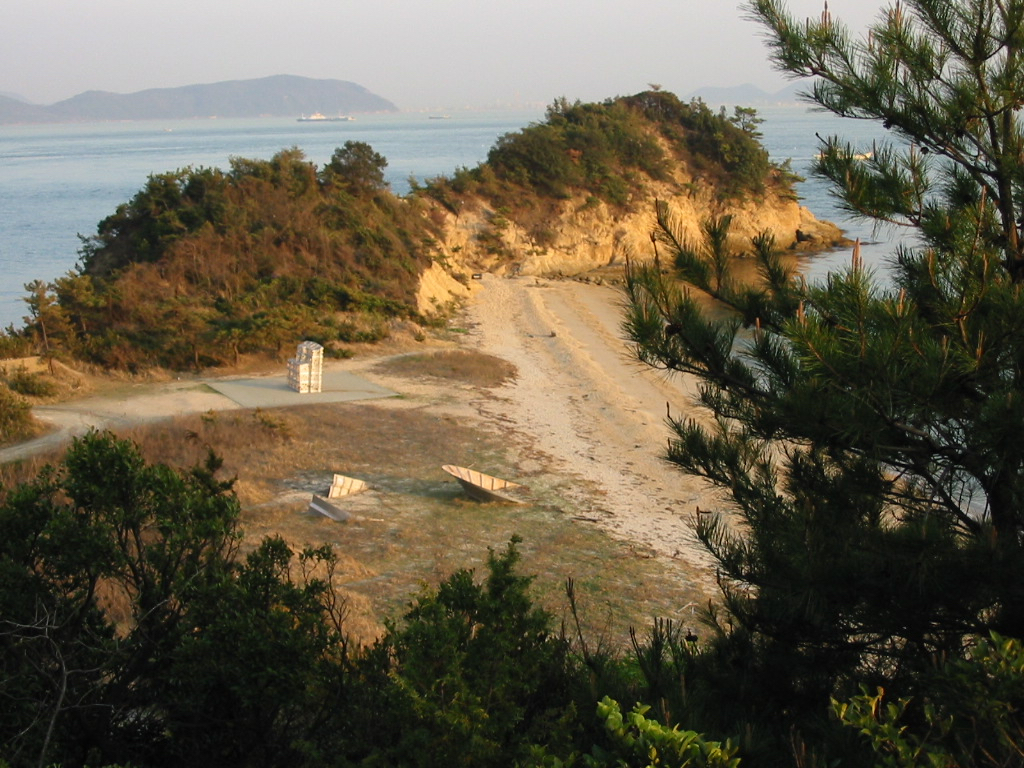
482, 487
345, 486
325, 508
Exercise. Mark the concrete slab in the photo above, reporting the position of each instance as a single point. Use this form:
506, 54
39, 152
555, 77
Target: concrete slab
273, 391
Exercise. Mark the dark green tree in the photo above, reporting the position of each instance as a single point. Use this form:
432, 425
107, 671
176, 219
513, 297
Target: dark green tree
868, 428
129, 631
169, 207
471, 676
261, 678
76, 295
946, 79
46, 320
356, 167
94, 558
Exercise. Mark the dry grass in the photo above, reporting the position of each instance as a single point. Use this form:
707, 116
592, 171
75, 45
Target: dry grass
465, 366
415, 526
42, 382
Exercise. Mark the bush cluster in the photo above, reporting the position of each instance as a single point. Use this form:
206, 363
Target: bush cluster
601, 151
16, 420
203, 265
133, 632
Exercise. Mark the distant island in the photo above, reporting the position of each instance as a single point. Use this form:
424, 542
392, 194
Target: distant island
276, 96
750, 95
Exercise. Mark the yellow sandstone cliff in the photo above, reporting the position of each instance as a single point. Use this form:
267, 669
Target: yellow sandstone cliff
589, 235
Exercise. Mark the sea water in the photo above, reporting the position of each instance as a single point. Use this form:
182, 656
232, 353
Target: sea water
57, 182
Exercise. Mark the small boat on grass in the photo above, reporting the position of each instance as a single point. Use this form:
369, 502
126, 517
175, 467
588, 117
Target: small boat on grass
345, 486
482, 487
341, 487
325, 508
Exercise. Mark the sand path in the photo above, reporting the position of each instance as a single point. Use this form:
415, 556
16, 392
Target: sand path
583, 399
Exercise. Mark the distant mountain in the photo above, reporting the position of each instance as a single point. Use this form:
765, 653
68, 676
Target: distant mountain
16, 111
15, 96
750, 95
280, 95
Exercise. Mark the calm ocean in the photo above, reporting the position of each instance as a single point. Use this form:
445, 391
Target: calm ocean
58, 181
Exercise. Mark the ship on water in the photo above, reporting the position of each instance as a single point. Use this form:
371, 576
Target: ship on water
317, 117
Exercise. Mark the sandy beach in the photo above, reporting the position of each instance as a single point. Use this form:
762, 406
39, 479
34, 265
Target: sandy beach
580, 397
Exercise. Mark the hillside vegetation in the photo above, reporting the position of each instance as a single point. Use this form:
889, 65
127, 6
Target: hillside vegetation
204, 265
605, 150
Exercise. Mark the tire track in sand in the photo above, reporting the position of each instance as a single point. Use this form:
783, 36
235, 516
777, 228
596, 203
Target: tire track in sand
582, 399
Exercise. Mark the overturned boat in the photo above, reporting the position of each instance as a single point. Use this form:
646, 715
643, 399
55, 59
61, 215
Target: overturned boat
341, 486
482, 487
325, 508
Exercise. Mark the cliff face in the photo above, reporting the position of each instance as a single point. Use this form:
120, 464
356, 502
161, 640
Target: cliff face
580, 191
586, 236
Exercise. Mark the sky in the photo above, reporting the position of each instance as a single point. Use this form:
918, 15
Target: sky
420, 54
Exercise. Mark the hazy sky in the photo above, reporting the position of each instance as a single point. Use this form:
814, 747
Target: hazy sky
420, 54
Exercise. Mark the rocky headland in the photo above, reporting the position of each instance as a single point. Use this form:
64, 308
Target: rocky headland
589, 236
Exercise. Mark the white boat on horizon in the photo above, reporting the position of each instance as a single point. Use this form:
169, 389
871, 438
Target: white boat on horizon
317, 117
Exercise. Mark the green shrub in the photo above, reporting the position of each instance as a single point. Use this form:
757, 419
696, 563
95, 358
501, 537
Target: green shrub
635, 741
14, 344
24, 382
471, 676
971, 716
16, 420
363, 327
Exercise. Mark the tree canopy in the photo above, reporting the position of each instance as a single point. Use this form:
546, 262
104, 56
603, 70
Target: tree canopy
133, 630
867, 428
203, 265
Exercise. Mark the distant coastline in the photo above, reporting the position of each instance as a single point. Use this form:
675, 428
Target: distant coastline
277, 96
300, 98
751, 96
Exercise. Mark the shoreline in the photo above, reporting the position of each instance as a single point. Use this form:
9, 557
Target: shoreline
581, 399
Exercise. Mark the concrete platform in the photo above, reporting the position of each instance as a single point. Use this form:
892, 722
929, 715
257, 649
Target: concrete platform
273, 391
